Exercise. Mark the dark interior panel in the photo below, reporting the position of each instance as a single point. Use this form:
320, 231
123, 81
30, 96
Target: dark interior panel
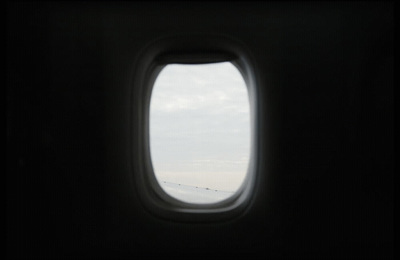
325, 76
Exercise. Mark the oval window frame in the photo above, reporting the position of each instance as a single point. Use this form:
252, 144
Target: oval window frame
188, 49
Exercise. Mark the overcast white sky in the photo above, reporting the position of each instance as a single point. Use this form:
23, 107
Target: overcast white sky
200, 126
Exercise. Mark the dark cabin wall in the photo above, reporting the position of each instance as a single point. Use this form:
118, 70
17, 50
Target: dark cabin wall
325, 74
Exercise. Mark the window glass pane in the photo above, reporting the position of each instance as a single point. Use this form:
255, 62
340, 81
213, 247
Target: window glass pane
200, 131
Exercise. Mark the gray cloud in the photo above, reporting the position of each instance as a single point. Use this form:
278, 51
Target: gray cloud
200, 125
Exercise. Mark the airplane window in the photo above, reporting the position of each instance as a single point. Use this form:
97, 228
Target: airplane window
200, 131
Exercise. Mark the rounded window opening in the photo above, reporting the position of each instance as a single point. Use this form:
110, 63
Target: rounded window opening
200, 132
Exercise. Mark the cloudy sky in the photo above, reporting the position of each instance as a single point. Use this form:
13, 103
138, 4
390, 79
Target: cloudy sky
200, 126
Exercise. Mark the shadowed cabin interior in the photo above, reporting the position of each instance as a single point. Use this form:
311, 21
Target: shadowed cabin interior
322, 75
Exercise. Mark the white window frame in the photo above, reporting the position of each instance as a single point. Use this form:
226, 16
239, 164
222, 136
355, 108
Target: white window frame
188, 49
